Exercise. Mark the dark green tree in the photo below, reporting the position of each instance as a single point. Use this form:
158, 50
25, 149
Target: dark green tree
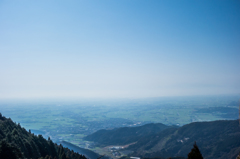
195, 153
16, 142
9, 151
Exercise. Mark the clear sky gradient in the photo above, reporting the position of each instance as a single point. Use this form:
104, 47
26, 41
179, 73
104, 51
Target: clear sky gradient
130, 49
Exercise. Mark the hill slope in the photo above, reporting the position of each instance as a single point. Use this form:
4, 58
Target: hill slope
86, 152
16, 142
125, 135
216, 140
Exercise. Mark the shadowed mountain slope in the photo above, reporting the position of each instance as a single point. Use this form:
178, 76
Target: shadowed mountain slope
17, 142
216, 140
125, 135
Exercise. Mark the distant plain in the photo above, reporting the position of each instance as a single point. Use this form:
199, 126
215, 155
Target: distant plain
71, 120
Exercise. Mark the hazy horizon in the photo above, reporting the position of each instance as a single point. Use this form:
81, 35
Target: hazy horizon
119, 49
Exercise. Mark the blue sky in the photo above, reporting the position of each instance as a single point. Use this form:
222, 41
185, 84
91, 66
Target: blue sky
129, 49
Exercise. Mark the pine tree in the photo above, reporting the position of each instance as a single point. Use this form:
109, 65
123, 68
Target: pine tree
9, 151
17, 142
195, 153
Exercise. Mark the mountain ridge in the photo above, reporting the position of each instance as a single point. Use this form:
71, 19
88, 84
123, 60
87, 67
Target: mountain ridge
216, 139
125, 135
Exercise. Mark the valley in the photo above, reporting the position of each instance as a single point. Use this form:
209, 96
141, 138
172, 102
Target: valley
72, 121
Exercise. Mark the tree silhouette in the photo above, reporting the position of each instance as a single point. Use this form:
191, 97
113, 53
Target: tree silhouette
195, 153
16, 142
9, 151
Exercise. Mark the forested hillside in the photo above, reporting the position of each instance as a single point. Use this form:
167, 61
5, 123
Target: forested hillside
125, 135
216, 140
17, 142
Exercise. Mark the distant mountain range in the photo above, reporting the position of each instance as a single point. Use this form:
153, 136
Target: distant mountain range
216, 139
125, 135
